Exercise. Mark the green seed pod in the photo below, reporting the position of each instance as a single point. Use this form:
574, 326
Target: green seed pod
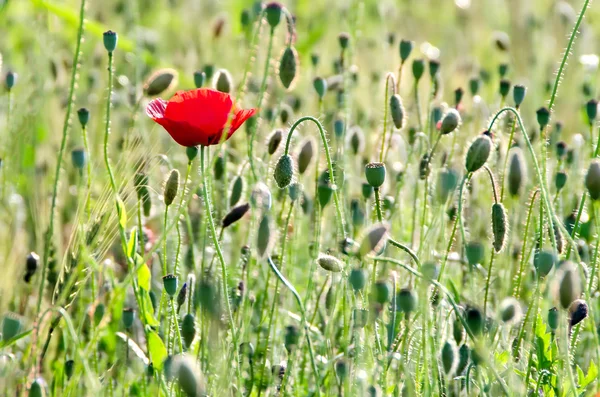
171, 187
78, 158
288, 67
449, 356
160, 81
344, 40
84, 116
11, 326
189, 376
544, 261
430, 270
170, 284
199, 78
543, 117
209, 71
553, 317
110, 39
510, 311
324, 193
519, 92
69, 368
367, 190
568, 286
458, 96
406, 300
338, 128
314, 59
306, 155
434, 68
475, 252
38, 388
591, 110
291, 337
381, 292
517, 173
273, 13
219, 167
418, 68
447, 183
188, 329
320, 85
330, 263
592, 180
341, 370
191, 152
560, 180
10, 80
356, 140
222, 81
284, 171
264, 237
499, 226
128, 317
237, 188
375, 173
578, 311
357, 279
358, 215
295, 191
285, 113
373, 240
504, 88
397, 111
235, 214
274, 140
463, 359
474, 320
474, 84
561, 149
503, 69
405, 48
478, 153
458, 331
450, 122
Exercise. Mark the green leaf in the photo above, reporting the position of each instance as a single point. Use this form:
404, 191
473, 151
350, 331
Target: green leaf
589, 378
132, 243
143, 274
122, 212
156, 350
12, 341
148, 310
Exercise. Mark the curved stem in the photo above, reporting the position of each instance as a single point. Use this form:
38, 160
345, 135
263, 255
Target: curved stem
390, 76
493, 181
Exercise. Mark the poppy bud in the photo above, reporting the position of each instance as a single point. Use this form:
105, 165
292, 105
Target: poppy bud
10, 80
235, 214
406, 300
291, 337
31, 265
79, 158
69, 368
458, 96
474, 84
261, 197
127, 317
503, 69
406, 47
592, 180
478, 153
458, 332
306, 155
191, 152
84, 116
374, 239
519, 92
285, 113
424, 166
553, 317
381, 292
367, 191
273, 13
499, 226
510, 311
356, 140
375, 173
209, 71
222, 81
274, 140
578, 311
11, 326
450, 122
474, 320
447, 183
324, 193
591, 109
434, 68
288, 65
449, 357
463, 358
357, 279
237, 187
560, 180
504, 87
199, 78
561, 149
320, 85
330, 263
170, 284
338, 128
284, 171
475, 252
245, 18
397, 110
188, 329
341, 370
181, 296
567, 287
219, 167
160, 81
517, 170
344, 40
502, 40
171, 187
38, 388
418, 68
263, 237
543, 117
99, 313
189, 376
543, 261
110, 40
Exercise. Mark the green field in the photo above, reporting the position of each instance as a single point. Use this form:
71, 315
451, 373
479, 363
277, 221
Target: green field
305, 198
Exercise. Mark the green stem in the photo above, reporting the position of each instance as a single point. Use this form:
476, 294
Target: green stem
390, 76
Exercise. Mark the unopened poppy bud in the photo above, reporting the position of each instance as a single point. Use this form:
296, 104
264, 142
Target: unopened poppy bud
160, 81
171, 187
306, 155
84, 116
475, 252
543, 261
170, 284
344, 40
374, 239
447, 183
31, 265
237, 188
450, 121
222, 81
295, 191
291, 337
568, 286
397, 111
191, 152
543, 117
357, 279
288, 67
478, 153
503, 69
330, 263
592, 180
356, 140
110, 40
504, 88
474, 84
235, 214
209, 71
578, 311
381, 292
510, 311
261, 197
219, 167
406, 300
69, 368
274, 140
434, 68
474, 320
264, 237
553, 317
338, 128
127, 317
405, 48
463, 358
341, 369
10, 80
458, 96
284, 171
560, 180
320, 86
517, 171
245, 18
499, 226
502, 40
324, 193
449, 357
561, 149
375, 173
181, 296
273, 12
188, 329
519, 92
189, 376
418, 68
38, 388
591, 109
199, 78
78, 158
367, 190
285, 113
11, 326
458, 331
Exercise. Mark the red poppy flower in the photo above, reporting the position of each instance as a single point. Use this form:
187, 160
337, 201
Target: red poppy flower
198, 117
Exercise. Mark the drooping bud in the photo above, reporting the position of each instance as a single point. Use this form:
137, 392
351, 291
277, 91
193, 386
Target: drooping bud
592, 180
560, 180
381, 292
237, 188
191, 152
291, 337
578, 311
458, 96
568, 285
478, 153
160, 81
447, 183
544, 261
591, 110
235, 214
288, 67
357, 279
171, 187
499, 226
474, 84
356, 139
188, 329
475, 252
306, 155
449, 357
263, 237
474, 320
284, 171
10, 80
517, 173
274, 140
397, 111
450, 121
